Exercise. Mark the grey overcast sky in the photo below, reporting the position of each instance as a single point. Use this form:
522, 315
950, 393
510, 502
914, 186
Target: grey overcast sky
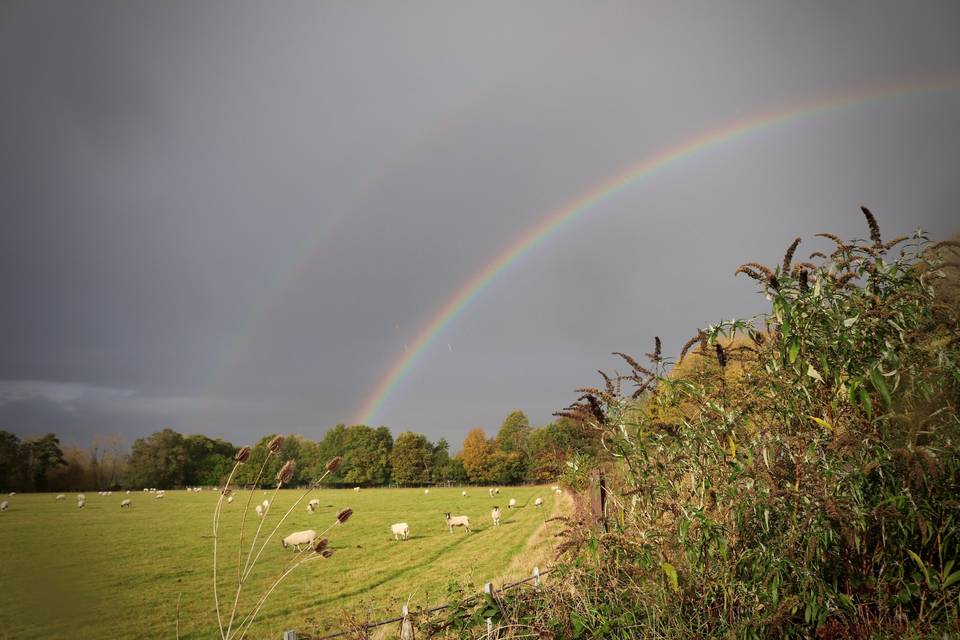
231, 218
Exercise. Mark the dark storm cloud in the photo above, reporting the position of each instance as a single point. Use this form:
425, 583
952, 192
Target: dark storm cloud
231, 218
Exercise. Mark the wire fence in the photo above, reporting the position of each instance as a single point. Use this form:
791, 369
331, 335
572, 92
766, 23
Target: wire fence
405, 617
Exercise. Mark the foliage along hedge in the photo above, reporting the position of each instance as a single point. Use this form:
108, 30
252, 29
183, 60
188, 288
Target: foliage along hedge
815, 493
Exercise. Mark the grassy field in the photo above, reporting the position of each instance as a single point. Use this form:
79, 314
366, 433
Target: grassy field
107, 572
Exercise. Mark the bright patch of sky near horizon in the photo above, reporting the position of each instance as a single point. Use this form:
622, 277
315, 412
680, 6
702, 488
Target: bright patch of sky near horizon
230, 219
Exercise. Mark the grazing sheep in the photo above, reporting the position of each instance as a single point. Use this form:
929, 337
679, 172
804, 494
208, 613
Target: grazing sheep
126, 503
5, 505
495, 515
109, 493
554, 488
496, 491
457, 521
259, 510
356, 488
400, 529
559, 491
12, 493
490, 491
81, 502
128, 491
160, 495
426, 491
299, 538
313, 505
266, 505
81, 496
463, 493
61, 497
229, 499
538, 502
512, 503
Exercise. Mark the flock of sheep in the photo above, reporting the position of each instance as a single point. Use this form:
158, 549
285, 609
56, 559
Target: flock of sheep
399, 530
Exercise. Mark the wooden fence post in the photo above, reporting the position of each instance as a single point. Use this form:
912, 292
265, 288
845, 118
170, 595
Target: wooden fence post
488, 589
406, 626
289, 635
536, 577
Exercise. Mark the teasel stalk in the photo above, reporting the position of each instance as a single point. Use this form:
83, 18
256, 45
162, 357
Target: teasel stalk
317, 551
331, 466
241, 457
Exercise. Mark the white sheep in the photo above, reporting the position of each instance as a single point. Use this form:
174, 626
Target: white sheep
554, 488
5, 505
299, 538
61, 497
490, 491
259, 510
266, 505
356, 488
81, 496
496, 491
229, 499
463, 493
512, 503
457, 521
426, 491
495, 515
559, 491
313, 505
160, 495
81, 502
128, 491
538, 502
12, 493
126, 503
400, 529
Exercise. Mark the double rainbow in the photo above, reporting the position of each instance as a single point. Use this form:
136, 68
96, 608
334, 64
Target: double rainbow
554, 222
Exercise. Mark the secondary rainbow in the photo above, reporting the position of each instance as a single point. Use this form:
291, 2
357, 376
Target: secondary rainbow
554, 221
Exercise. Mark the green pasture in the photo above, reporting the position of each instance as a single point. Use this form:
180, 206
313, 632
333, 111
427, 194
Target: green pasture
106, 572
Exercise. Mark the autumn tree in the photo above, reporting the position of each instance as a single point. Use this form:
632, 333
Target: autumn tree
477, 456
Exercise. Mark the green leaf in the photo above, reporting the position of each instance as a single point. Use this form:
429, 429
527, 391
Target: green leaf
823, 423
671, 575
951, 579
866, 402
877, 381
793, 350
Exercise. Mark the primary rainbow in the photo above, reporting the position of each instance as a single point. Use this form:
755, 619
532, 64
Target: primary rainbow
597, 195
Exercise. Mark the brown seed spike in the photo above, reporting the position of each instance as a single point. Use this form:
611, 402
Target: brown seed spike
320, 545
721, 356
874, 227
689, 343
344, 515
817, 254
633, 363
788, 256
609, 383
286, 472
242, 455
774, 283
327, 554
334, 464
804, 285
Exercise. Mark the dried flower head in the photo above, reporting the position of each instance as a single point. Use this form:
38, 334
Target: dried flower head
721, 355
286, 472
275, 444
327, 553
334, 464
344, 515
788, 256
874, 227
243, 455
320, 545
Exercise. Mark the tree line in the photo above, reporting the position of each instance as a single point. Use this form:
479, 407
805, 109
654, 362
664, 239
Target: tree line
371, 457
